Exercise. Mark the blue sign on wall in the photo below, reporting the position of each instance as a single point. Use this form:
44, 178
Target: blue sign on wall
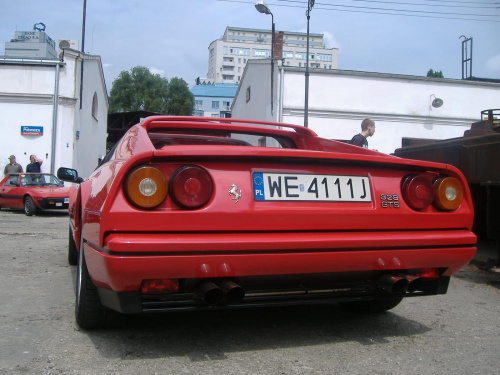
31, 130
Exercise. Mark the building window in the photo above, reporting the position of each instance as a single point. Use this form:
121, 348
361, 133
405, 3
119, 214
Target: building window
323, 57
288, 54
215, 115
224, 51
300, 55
261, 53
240, 51
95, 106
215, 104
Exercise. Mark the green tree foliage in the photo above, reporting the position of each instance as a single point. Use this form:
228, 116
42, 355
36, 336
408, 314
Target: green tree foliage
435, 74
180, 98
140, 90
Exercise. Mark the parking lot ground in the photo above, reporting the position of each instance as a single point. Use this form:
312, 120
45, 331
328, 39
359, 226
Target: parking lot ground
456, 333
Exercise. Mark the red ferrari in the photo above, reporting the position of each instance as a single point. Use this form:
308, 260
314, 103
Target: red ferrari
190, 213
33, 192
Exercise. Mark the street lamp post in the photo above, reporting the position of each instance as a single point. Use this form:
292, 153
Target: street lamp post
310, 5
263, 8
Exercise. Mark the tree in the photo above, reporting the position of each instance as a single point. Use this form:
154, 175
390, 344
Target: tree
435, 74
180, 98
140, 90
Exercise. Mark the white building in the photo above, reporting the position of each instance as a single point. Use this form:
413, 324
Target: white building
229, 54
47, 112
339, 100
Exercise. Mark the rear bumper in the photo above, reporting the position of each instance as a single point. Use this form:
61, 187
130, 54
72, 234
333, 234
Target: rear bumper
128, 258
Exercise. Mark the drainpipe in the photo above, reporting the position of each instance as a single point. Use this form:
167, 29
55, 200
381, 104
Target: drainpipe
280, 100
54, 118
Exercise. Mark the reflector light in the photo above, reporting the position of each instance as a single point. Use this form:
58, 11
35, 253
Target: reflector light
191, 186
417, 191
159, 286
146, 187
448, 193
428, 273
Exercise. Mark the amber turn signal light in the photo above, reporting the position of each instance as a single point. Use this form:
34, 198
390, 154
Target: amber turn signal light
448, 193
146, 187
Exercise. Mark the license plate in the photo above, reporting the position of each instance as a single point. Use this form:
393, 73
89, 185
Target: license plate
310, 187
58, 204
66, 200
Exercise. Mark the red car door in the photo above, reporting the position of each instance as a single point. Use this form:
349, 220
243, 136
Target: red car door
10, 193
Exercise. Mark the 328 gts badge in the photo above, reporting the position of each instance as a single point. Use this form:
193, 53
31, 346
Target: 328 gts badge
389, 200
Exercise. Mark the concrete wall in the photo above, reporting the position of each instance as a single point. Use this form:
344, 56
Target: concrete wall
27, 99
340, 100
257, 79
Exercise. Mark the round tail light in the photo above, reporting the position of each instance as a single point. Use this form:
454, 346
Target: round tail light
146, 187
417, 192
191, 187
448, 193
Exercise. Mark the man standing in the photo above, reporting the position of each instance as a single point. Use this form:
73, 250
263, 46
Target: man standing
12, 167
34, 165
367, 130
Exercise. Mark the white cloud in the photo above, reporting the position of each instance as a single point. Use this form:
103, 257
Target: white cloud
330, 41
493, 63
157, 71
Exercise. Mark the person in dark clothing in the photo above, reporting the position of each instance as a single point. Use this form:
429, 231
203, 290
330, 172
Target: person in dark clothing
367, 130
34, 165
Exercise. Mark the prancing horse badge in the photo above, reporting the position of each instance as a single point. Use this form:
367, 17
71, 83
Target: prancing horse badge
234, 192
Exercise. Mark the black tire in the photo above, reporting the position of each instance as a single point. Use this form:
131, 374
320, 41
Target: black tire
89, 311
379, 305
72, 251
29, 206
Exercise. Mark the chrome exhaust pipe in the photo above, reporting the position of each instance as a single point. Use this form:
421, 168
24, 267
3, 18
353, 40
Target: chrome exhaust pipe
414, 283
234, 292
210, 293
392, 284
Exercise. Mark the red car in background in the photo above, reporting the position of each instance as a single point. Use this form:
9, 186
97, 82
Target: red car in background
190, 213
33, 192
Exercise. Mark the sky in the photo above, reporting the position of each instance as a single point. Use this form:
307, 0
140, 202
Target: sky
171, 37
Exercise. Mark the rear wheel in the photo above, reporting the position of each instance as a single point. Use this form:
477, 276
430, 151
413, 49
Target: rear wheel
89, 311
29, 206
72, 251
375, 306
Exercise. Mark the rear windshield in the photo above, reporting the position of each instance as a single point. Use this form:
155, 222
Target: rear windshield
173, 137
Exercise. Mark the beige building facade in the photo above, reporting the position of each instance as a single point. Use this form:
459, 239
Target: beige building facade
229, 54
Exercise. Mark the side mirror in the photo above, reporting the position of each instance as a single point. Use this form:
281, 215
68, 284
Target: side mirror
68, 174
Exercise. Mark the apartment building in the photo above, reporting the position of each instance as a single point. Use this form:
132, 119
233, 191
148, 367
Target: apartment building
213, 100
228, 55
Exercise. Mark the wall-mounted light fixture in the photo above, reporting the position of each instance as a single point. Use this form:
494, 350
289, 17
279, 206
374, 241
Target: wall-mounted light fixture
435, 103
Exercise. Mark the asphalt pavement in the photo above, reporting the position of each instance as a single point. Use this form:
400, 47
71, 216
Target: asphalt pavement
487, 256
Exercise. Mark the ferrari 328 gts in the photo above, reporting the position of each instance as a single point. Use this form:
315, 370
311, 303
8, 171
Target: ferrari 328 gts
189, 213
